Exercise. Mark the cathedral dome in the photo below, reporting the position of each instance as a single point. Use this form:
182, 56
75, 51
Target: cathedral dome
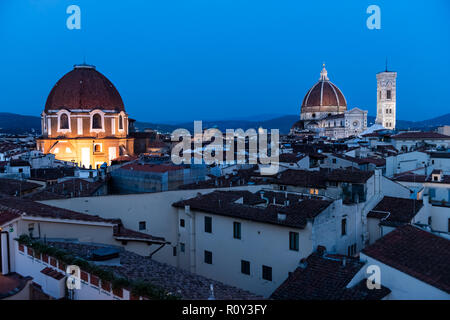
84, 88
324, 96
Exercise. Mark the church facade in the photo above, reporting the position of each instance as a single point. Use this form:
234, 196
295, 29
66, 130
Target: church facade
324, 111
84, 120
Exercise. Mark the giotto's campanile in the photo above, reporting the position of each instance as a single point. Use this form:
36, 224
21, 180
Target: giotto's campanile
386, 98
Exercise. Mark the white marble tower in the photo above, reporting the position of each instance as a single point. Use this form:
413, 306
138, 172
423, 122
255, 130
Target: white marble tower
386, 98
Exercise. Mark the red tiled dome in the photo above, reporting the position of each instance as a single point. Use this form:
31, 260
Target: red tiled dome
324, 96
84, 88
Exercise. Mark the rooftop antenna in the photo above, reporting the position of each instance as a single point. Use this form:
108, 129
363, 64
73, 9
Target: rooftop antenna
386, 64
211, 292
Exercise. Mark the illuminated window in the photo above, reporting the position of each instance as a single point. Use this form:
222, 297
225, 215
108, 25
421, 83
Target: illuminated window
68, 150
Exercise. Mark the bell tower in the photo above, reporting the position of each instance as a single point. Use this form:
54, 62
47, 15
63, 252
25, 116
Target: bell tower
386, 98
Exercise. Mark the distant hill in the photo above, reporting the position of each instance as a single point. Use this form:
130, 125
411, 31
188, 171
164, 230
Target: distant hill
435, 122
15, 123
285, 123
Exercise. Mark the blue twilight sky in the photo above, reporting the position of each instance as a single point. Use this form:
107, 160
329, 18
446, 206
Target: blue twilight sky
180, 60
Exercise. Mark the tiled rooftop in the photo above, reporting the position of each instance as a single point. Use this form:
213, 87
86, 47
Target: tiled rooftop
291, 157
298, 210
7, 215
155, 168
415, 252
12, 187
410, 177
325, 277
51, 173
172, 279
420, 135
68, 189
122, 233
395, 211
31, 208
319, 179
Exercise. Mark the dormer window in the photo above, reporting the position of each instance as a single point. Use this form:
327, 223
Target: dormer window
64, 121
97, 121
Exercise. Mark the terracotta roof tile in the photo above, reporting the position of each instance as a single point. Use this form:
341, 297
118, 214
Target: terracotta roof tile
420, 135
31, 208
415, 252
325, 277
157, 168
395, 211
12, 187
177, 281
224, 203
7, 216
53, 273
123, 233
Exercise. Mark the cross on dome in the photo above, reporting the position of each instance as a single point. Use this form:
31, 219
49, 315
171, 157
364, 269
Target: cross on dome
324, 74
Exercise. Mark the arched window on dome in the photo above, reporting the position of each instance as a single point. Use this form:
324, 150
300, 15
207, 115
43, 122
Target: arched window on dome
64, 121
120, 122
97, 121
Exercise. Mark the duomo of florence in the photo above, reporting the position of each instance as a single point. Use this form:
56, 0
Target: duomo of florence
324, 110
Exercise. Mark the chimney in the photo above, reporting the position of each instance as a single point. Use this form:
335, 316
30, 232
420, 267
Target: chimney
436, 176
321, 250
426, 200
303, 264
